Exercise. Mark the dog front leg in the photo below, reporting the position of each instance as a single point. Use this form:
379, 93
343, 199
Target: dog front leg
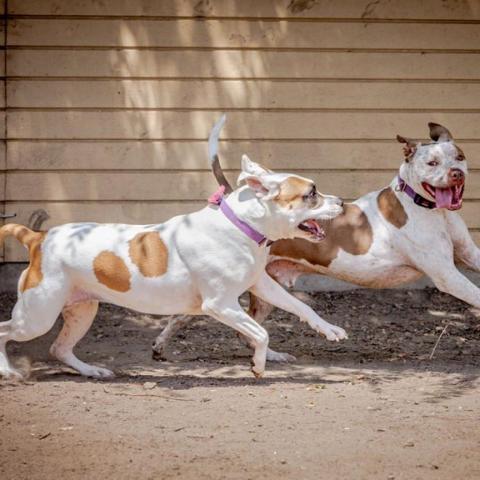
465, 250
449, 280
232, 314
270, 291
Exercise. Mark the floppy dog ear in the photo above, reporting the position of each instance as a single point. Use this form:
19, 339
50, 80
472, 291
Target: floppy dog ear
438, 133
409, 148
258, 179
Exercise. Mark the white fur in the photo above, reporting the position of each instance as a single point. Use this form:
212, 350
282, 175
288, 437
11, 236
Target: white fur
431, 242
210, 264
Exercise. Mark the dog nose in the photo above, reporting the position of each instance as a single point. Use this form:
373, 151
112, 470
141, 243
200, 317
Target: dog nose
340, 202
456, 176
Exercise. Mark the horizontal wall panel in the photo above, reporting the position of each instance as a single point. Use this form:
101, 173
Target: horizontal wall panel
241, 34
240, 125
2, 59
114, 212
2, 97
476, 236
2, 126
138, 212
144, 212
236, 64
132, 155
364, 9
177, 185
241, 94
3, 159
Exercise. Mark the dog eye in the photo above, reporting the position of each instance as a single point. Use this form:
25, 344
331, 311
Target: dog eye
311, 194
460, 158
433, 163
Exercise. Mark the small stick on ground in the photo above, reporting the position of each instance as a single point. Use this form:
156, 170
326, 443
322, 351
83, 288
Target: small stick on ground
166, 397
438, 341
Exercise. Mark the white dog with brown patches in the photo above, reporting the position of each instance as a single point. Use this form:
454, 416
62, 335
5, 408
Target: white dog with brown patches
198, 263
389, 237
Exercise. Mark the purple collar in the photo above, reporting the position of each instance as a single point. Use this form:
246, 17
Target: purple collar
218, 199
417, 198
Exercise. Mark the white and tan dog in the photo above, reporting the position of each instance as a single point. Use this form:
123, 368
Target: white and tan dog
389, 237
198, 263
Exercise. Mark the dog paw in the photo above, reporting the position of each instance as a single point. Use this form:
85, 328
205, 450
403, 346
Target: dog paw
258, 372
280, 357
99, 373
335, 334
11, 374
158, 356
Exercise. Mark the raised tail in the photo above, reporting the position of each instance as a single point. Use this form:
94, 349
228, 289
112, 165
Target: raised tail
213, 155
23, 234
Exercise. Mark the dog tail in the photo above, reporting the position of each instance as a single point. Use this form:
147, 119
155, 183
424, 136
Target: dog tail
23, 234
213, 155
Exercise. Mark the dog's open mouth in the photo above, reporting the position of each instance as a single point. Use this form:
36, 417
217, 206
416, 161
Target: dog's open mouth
450, 197
313, 228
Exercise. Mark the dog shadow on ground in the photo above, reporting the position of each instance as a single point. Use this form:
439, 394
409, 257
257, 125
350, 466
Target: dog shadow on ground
393, 334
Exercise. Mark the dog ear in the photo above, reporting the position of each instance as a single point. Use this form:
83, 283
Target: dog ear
409, 148
439, 133
258, 178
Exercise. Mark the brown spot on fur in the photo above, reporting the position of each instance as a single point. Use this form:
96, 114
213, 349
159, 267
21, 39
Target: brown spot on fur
149, 254
33, 241
292, 191
33, 275
391, 208
112, 271
351, 231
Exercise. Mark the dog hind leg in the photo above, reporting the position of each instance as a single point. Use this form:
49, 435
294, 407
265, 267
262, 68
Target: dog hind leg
77, 319
6, 370
33, 315
175, 323
259, 311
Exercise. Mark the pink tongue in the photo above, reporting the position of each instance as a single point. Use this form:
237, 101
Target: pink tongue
444, 197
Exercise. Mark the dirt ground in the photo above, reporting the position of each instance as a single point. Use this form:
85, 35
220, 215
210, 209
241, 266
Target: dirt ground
373, 407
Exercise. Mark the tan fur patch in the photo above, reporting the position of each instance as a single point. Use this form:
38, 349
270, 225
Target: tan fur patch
112, 271
33, 275
292, 190
391, 208
351, 231
149, 254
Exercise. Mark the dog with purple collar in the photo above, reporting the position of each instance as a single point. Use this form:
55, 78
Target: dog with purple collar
193, 264
388, 237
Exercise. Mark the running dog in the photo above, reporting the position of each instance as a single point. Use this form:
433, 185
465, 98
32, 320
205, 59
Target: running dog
193, 264
388, 237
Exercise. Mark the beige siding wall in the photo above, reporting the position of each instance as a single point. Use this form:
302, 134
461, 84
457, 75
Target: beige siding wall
109, 103
3, 164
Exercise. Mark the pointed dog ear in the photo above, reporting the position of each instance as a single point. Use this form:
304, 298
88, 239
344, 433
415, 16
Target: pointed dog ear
259, 179
439, 133
409, 148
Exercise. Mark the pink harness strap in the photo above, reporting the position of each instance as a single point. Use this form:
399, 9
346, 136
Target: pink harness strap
218, 198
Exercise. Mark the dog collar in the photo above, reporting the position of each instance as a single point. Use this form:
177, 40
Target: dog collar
417, 198
218, 199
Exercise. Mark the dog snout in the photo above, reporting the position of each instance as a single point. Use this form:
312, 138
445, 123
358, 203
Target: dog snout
332, 200
456, 176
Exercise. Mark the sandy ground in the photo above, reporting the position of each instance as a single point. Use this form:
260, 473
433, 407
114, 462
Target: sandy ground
373, 407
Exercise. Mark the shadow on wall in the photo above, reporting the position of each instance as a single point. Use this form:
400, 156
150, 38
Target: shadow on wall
123, 127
